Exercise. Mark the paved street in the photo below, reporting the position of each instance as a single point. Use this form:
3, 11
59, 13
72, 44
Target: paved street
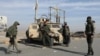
78, 47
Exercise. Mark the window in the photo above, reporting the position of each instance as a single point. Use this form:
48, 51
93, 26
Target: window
55, 26
34, 26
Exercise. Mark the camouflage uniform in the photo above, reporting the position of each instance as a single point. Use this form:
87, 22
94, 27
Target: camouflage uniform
46, 37
89, 31
66, 34
11, 33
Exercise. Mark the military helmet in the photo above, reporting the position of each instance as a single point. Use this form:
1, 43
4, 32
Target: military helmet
89, 19
16, 23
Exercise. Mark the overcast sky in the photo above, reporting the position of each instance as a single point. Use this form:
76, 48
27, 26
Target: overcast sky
76, 11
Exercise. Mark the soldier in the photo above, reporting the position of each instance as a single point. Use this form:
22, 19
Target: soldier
89, 31
45, 34
66, 34
12, 33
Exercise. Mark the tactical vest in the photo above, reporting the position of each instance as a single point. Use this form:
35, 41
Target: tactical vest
65, 30
89, 28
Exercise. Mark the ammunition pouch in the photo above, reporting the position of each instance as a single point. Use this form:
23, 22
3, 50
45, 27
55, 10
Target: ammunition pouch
7, 34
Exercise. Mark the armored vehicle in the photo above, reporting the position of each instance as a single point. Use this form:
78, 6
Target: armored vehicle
33, 30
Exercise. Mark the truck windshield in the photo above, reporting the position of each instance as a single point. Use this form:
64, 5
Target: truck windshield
34, 26
55, 26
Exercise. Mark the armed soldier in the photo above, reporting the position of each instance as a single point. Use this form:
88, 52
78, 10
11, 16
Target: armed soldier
66, 34
12, 33
45, 34
89, 31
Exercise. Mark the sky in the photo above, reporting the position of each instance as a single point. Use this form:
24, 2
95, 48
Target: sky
76, 12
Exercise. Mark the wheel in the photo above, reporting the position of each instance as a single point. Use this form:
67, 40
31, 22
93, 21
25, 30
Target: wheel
27, 35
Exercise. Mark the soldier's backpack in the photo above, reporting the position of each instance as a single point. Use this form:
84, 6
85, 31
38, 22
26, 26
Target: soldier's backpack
7, 34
